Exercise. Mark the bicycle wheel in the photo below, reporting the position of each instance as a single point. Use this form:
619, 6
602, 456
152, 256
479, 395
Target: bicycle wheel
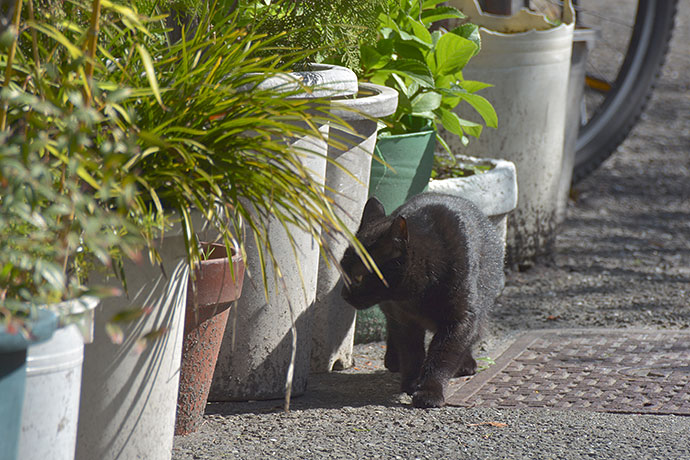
622, 69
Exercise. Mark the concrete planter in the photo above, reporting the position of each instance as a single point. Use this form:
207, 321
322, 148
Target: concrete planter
270, 332
53, 384
495, 192
583, 40
529, 70
129, 395
333, 319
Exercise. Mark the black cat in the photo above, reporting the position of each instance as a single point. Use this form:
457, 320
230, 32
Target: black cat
442, 263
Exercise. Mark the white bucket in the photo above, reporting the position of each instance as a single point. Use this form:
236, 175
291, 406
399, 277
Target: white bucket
529, 72
51, 405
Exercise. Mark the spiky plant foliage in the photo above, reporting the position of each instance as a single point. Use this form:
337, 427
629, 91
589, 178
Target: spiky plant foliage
332, 29
150, 130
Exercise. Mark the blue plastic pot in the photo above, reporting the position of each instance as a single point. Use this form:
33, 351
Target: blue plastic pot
13, 349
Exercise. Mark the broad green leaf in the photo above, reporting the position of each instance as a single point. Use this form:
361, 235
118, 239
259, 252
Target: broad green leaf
431, 3
425, 102
483, 108
412, 69
456, 125
451, 54
421, 31
472, 86
470, 32
441, 13
410, 50
413, 38
372, 59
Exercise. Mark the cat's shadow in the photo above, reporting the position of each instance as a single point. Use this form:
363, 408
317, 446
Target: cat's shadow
336, 390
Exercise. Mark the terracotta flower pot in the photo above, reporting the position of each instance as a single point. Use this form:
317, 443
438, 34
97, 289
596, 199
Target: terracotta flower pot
217, 286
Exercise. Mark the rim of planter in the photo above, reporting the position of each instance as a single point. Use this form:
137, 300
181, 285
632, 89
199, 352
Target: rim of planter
382, 102
402, 136
494, 191
325, 80
522, 22
43, 325
217, 267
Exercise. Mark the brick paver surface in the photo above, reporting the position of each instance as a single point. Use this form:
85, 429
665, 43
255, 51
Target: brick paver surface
626, 371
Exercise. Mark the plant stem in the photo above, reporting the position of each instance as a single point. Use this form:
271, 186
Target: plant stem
34, 40
10, 57
91, 43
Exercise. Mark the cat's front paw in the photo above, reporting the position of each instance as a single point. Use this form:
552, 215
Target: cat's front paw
467, 367
428, 398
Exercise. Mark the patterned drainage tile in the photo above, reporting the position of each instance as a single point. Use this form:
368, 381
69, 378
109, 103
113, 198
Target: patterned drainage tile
603, 370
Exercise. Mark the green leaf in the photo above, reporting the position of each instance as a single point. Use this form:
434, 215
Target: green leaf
451, 54
441, 13
413, 38
483, 108
420, 31
51, 273
425, 103
56, 35
372, 59
456, 125
150, 73
411, 69
473, 86
470, 32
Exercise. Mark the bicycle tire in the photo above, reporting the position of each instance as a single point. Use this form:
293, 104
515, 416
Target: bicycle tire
632, 89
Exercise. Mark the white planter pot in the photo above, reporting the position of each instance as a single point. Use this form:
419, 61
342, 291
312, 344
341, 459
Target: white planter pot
495, 192
333, 319
53, 383
529, 71
259, 342
129, 396
583, 40
324, 80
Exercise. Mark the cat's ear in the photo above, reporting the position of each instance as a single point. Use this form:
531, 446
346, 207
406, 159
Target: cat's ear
399, 228
373, 210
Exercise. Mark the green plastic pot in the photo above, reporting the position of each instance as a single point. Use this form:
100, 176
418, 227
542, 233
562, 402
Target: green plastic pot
410, 158
13, 348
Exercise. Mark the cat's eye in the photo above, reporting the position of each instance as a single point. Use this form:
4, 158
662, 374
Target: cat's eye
358, 279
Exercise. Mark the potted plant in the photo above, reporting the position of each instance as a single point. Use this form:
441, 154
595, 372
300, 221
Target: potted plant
217, 284
526, 57
59, 220
177, 139
426, 67
214, 149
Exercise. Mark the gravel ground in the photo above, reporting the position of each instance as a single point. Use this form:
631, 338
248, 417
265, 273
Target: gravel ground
622, 260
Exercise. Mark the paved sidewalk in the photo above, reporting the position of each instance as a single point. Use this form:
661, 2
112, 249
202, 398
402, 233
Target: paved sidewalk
613, 303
